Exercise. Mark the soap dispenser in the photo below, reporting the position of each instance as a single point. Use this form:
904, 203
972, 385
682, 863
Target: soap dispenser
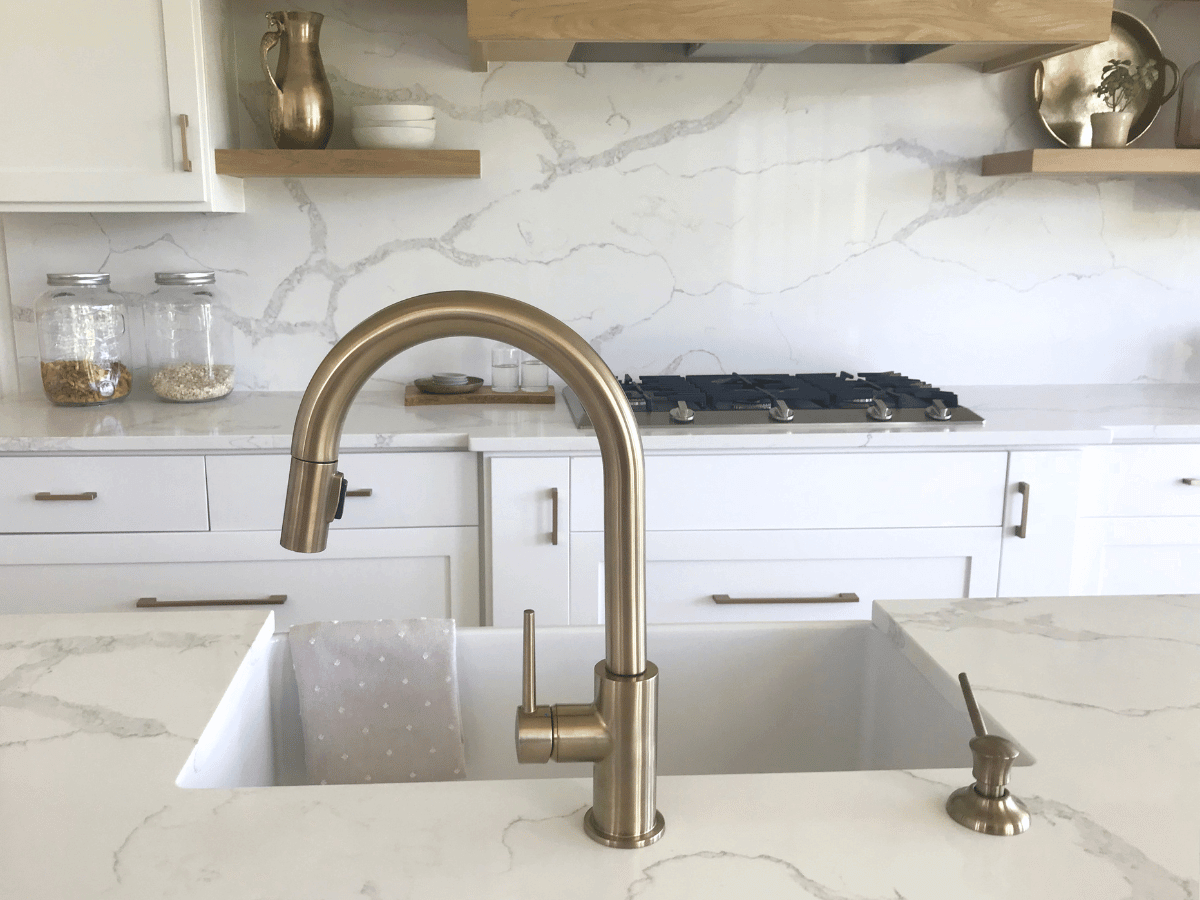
987, 806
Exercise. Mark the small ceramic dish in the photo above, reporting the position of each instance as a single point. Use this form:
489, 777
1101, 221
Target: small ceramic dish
429, 386
394, 136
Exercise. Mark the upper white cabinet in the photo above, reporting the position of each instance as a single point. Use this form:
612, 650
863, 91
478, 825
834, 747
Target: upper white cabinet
94, 103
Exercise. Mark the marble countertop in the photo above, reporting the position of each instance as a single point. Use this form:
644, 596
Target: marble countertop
1016, 416
101, 711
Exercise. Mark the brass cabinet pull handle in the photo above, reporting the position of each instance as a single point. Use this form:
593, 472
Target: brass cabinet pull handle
46, 495
359, 492
1195, 482
153, 602
186, 165
554, 516
836, 598
1023, 490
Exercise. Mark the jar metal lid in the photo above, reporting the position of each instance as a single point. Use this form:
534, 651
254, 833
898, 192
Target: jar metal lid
83, 279
185, 278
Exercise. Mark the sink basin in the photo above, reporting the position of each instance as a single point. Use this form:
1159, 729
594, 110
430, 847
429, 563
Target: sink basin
734, 698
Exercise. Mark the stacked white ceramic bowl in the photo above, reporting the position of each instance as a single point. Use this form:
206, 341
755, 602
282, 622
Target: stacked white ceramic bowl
392, 125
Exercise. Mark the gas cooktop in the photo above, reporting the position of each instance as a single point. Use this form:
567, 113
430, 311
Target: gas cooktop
872, 400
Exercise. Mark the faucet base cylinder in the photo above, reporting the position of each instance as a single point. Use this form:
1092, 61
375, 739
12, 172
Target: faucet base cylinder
623, 843
624, 812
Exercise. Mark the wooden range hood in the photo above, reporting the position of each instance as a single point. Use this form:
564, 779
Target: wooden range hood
991, 34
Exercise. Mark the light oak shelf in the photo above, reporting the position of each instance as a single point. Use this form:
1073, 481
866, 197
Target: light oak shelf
348, 163
1087, 161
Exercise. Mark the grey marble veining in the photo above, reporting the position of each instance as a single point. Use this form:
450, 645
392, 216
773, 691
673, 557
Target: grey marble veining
1113, 796
684, 218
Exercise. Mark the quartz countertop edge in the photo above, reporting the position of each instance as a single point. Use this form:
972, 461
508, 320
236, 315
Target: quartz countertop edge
101, 711
248, 422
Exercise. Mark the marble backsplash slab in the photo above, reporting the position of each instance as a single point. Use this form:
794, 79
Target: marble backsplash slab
684, 218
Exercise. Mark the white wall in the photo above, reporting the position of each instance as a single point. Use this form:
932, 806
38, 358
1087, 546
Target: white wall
686, 219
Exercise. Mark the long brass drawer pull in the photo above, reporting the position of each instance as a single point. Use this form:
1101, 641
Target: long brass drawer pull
1194, 482
46, 495
359, 492
1023, 490
836, 598
154, 602
554, 516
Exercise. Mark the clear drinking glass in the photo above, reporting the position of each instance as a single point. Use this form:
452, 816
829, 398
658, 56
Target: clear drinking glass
506, 369
535, 375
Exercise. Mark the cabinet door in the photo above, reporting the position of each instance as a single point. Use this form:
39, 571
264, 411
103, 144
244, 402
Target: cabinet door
1137, 555
685, 569
365, 574
529, 504
93, 102
1043, 492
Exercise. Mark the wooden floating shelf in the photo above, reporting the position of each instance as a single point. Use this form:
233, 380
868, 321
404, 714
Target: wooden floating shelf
1087, 161
348, 163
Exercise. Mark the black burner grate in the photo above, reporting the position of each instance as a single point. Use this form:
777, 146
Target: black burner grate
658, 393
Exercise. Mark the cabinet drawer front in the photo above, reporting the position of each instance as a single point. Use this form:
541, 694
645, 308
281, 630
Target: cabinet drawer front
408, 490
132, 493
1141, 481
1130, 555
855, 490
685, 570
366, 575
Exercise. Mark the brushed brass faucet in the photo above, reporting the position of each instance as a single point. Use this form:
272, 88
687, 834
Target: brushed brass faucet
618, 731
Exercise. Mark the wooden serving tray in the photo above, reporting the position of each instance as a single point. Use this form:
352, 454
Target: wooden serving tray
414, 396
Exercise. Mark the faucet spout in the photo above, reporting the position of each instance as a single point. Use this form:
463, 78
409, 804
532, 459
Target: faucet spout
624, 812
313, 486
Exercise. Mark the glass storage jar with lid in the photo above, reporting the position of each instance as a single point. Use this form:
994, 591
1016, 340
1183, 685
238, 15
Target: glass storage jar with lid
82, 340
189, 343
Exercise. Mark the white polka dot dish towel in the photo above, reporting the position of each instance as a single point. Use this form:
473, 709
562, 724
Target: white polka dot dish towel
379, 700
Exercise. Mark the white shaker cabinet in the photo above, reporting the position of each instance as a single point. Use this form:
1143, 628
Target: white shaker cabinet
1039, 523
800, 575
528, 554
94, 103
808, 535
144, 534
363, 574
1139, 521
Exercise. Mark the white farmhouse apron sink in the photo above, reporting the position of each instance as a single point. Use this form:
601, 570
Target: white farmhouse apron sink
734, 698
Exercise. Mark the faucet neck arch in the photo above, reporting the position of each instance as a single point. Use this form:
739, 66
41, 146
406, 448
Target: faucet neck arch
427, 317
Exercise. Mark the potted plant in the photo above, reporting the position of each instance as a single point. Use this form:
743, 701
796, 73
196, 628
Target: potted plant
1123, 87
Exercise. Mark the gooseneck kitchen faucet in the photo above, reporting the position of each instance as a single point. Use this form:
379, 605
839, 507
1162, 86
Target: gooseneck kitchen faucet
617, 732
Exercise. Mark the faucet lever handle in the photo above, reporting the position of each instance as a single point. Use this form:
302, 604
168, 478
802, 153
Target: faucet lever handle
535, 724
528, 668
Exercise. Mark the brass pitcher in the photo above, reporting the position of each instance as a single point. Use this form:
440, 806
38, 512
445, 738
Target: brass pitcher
300, 106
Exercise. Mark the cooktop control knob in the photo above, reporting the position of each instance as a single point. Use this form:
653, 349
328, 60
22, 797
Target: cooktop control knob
682, 414
937, 411
781, 413
878, 410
